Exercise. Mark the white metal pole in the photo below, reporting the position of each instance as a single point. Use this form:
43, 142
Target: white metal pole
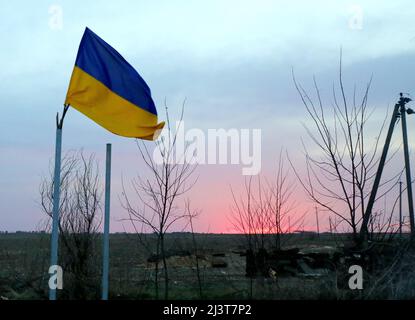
55, 210
105, 263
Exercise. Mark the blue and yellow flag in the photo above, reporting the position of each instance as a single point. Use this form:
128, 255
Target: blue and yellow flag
108, 90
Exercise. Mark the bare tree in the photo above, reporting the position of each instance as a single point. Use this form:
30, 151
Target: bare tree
341, 168
242, 217
158, 194
266, 209
281, 204
190, 216
262, 213
79, 220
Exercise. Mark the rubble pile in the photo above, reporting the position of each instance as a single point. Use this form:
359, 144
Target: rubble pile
307, 262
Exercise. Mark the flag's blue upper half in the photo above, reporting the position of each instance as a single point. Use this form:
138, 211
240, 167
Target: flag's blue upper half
104, 63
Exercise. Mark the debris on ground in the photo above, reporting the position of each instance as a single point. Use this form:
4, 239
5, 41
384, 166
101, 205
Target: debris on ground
218, 262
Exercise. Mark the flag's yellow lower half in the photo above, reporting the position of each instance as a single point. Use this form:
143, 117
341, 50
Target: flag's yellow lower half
96, 101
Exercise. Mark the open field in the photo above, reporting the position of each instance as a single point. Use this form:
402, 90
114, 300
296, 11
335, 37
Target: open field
24, 259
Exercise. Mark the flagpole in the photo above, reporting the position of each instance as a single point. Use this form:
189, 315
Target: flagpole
56, 196
105, 261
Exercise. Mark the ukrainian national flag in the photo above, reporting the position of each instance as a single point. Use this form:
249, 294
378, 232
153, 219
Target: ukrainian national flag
107, 89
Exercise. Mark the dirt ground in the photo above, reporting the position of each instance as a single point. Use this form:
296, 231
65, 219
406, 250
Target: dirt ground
24, 261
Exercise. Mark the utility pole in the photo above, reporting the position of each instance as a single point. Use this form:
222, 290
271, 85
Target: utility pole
318, 225
371, 202
407, 169
400, 208
399, 111
331, 228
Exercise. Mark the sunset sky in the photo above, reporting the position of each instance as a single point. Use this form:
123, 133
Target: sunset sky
230, 60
